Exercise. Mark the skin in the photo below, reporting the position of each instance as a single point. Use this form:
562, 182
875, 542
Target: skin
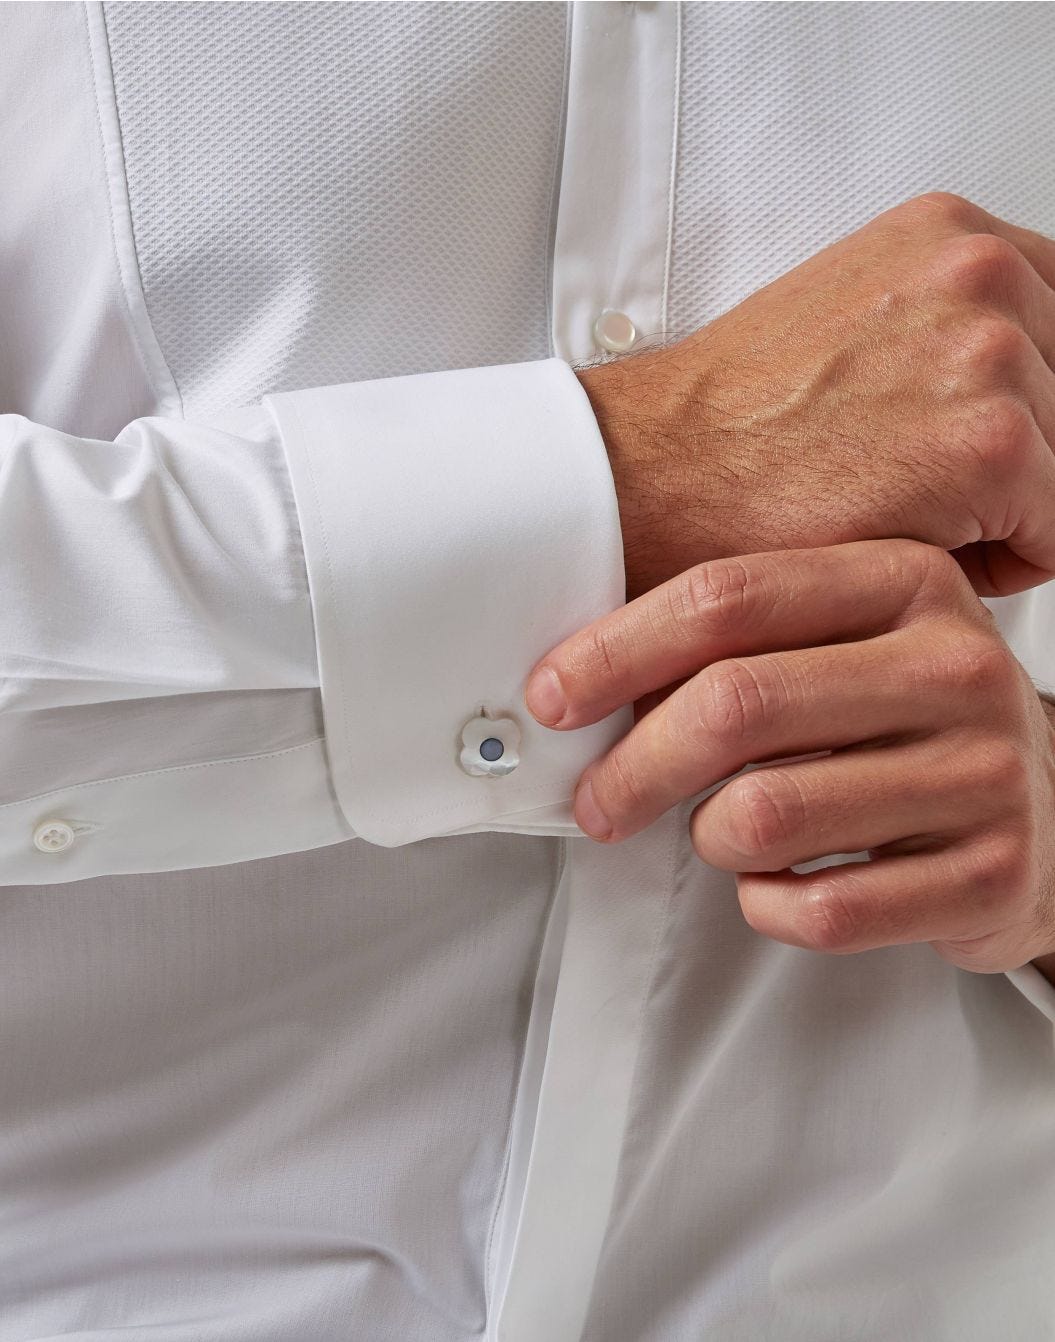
938, 757
898, 384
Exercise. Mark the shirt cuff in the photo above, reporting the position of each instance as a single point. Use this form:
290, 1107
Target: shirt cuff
456, 526
1032, 984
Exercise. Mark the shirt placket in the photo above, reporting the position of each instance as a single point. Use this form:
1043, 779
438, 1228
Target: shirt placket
610, 272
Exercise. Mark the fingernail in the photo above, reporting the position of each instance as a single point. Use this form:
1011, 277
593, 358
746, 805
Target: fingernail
589, 816
545, 698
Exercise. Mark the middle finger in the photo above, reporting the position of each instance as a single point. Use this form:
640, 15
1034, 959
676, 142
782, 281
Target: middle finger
747, 710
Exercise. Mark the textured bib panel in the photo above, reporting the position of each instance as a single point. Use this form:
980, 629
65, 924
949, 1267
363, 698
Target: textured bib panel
323, 193
799, 123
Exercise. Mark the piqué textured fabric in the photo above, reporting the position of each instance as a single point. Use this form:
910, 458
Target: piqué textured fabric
324, 193
799, 123
295, 1098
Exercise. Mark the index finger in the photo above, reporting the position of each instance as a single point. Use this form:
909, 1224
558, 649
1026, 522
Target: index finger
769, 602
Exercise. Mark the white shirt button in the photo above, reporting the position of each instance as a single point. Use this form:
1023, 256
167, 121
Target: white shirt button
614, 331
490, 747
52, 836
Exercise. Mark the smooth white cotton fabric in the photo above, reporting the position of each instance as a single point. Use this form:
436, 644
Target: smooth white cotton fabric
338, 1040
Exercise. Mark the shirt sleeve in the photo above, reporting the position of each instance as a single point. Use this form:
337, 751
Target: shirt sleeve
305, 621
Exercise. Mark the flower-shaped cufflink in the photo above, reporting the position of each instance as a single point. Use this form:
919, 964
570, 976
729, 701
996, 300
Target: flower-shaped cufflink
490, 747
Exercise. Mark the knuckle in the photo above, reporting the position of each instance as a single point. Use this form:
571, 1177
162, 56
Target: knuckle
736, 701
760, 816
828, 921
1006, 432
925, 571
943, 207
981, 664
1007, 872
993, 350
602, 659
992, 869
1003, 770
979, 266
917, 563
714, 597
947, 584
999, 875
617, 786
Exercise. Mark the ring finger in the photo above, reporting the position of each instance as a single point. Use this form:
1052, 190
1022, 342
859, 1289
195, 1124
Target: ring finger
853, 801
948, 895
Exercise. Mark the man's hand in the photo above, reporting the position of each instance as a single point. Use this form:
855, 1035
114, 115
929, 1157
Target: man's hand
899, 383
941, 763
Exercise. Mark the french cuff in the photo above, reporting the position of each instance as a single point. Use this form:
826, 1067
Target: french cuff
1032, 984
456, 526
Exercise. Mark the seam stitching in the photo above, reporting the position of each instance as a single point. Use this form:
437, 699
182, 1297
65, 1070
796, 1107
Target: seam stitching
662, 921
331, 581
155, 773
122, 231
675, 117
490, 1266
557, 184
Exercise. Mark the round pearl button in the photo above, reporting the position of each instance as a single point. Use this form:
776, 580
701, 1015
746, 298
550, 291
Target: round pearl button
614, 331
52, 836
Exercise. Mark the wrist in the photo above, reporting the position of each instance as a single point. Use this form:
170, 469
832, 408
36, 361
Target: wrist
625, 424
646, 409
683, 475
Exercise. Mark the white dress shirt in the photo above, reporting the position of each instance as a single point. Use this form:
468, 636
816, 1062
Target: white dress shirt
317, 1020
